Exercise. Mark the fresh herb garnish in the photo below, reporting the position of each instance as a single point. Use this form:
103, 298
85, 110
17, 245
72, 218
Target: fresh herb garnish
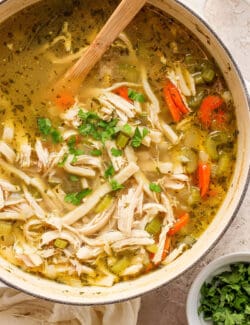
226, 298
155, 188
115, 185
45, 127
76, 198
137, 97
96, 152
138, 137
109, 172
56, 136
127, 129
73, 150
116, 152
73, 178
93, 126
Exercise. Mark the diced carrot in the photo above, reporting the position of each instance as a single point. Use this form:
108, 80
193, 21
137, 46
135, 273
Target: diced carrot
149, 267
208, 105
180, 223
174, 110
64, 100
166, 248
176, 96
204, 171
123, 92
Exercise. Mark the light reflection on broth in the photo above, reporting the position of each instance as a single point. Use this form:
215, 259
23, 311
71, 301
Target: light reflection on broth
125, 177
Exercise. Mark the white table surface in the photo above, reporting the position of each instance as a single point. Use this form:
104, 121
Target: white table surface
166, 306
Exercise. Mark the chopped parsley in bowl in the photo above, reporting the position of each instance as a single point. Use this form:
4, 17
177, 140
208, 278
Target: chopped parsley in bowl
221, 292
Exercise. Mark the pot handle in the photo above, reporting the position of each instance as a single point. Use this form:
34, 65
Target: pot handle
197, 6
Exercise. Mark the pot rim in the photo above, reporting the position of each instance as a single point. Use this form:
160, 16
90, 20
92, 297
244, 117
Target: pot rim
233, 216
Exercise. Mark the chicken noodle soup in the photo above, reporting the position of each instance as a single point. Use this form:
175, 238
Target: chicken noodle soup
124, 177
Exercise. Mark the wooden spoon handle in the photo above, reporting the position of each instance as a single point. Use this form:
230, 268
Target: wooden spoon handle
120, 18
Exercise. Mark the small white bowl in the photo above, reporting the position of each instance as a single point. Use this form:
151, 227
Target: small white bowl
216, 267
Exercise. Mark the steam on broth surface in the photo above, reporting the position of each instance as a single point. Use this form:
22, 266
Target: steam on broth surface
123, 178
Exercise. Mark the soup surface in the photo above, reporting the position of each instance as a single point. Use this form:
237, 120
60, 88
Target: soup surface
124, 177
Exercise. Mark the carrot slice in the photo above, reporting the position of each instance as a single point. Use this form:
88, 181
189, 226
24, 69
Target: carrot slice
208, 105
176, 96
166, 248
123, 92
174, 110
65, 100
149, 267
180, 223
204, 172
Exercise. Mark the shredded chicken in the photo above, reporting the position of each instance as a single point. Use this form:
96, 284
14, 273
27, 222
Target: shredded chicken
42, 155
38, 211
117, 162
98, 222
94, 198
8, 132
50, 236
87, 253
126, 209
7, 152
121, 104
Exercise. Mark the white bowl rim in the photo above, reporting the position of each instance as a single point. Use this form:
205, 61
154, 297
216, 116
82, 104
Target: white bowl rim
209, 270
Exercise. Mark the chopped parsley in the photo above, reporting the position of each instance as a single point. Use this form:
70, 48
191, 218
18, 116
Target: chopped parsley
56, 136
96, 128
46, 129
96, 152
76, 198
138, 137
116, 152
44, 125
137, 97
226, 298
115, 185
73, 150
127, 129
155, 188
109, 172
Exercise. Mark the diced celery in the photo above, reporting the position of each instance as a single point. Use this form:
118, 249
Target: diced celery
198, 79
154, 226
195, 196
195, 101
208, 74
120, 265
213, 140
152, 248
60, 243
192, 160
223, 164
122, 140
5, 228
190, 60
104, 204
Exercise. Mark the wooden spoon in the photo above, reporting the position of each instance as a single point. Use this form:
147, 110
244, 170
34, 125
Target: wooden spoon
118, 21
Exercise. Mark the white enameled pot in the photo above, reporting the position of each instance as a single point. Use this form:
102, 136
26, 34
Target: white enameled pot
193, 20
